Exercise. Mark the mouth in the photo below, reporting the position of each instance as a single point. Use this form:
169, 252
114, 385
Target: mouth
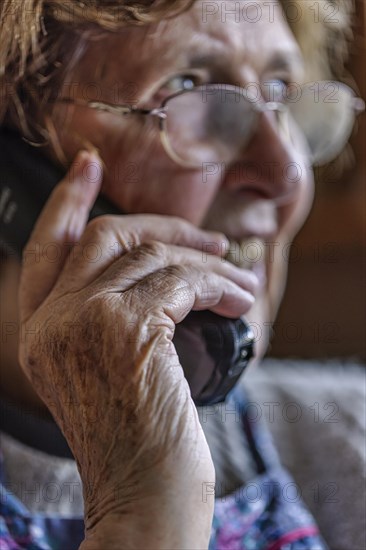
249, 253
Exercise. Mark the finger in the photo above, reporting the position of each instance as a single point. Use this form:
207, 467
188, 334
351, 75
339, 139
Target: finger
59, 226
107, 238
150, 257
176, 290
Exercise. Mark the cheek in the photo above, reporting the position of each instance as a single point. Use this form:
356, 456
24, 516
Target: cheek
141, 178
292, 215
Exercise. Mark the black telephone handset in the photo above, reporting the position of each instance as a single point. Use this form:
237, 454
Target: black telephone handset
213, 350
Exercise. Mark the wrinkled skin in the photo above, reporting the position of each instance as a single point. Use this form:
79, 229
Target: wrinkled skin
102, 357
101, 354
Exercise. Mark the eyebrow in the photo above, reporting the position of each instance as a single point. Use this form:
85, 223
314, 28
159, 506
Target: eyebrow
204, 60
285, 61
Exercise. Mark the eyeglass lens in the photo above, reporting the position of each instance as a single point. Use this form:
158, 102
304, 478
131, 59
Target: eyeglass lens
209, 124
214, 123
325, 114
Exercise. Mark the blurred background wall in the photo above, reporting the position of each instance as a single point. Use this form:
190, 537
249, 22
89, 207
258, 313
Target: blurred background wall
323, 313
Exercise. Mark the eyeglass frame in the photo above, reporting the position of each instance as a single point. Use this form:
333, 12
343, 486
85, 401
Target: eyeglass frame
161, 114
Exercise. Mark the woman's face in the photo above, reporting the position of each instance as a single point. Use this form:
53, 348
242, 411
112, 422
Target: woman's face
263, 193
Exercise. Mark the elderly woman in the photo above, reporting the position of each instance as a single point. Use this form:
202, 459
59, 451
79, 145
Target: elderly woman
193, 120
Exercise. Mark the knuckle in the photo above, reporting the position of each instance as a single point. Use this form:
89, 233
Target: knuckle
150, 249
179, 273
176, 271
182, 227
97, 227
154, 248
178, 228
165, 283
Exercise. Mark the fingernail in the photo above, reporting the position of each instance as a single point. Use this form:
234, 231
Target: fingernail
88, 167
250, 296
81, 156
78, 164
224, 243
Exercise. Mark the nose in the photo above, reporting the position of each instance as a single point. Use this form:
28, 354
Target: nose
273, 164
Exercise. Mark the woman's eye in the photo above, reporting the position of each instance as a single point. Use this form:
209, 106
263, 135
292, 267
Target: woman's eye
179, 82
175, 84
275, 90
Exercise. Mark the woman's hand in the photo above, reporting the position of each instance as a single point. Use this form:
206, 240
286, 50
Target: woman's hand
99, 302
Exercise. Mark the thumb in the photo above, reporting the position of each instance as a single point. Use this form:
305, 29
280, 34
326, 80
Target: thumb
59, 226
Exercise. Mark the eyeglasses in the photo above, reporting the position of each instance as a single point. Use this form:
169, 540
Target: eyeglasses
215, 122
